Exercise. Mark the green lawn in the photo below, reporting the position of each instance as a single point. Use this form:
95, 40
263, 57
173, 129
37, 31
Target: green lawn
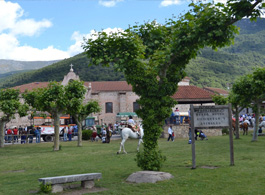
22, 165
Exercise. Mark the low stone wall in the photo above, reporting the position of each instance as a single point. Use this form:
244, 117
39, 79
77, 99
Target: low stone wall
182, 131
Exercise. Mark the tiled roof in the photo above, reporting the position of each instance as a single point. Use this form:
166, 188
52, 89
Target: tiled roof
217, 90
109, 86
31, 86
184, 93
191, 93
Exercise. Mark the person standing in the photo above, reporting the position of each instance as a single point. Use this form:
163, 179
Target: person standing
177, 115
116, 127
15, 132
170, 132
70, 131
65, 132
37, 133
30, 135
9, 135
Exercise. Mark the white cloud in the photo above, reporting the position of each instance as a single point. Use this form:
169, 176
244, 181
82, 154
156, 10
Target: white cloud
28, 53
9, 13
30, 27
166, 3
13, 26
76, 48
10, 49
109, 3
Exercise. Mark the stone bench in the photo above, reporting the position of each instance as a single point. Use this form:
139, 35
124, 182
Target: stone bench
87, 180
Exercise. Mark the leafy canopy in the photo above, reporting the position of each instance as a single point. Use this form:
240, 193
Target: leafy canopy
153, 58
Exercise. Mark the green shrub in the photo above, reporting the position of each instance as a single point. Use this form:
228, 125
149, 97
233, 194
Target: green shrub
151, 160
46, 188
225, 131
86, 134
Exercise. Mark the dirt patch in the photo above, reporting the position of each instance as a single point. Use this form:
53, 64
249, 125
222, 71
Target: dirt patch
209, 167
14, 171
83, 191
75, 189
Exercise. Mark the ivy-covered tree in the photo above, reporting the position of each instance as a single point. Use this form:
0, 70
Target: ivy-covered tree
9, 106
153, 58
75, 94
51, 99
250, 89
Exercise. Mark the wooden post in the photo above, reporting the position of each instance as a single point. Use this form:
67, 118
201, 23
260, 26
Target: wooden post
192, 137
231, 136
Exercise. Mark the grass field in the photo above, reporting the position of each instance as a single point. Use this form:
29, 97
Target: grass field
22, 165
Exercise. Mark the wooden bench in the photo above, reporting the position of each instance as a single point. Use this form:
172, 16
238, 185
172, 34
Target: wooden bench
87, 180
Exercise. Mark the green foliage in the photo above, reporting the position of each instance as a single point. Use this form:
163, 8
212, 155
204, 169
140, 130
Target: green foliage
75, 94
220, 100
151, 160
45, 188
225, 131
153, 58
9, 106
250, 90
86, 134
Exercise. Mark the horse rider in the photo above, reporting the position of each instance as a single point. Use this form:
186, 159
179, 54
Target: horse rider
132, 125
246, 121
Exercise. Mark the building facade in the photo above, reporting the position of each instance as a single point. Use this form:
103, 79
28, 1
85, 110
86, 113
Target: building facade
117, 96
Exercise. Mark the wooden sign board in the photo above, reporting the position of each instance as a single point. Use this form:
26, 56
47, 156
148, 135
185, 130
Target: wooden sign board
211, 116
217, 116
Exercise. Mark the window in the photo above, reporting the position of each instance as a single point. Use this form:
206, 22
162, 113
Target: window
109, 107
136, 106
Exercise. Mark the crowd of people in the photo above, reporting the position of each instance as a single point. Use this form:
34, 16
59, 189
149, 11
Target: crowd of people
24, 134
250, 120
68, 131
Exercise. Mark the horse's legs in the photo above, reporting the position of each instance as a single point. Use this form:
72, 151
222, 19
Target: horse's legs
119, 149
247, 131
138, 147
122, 145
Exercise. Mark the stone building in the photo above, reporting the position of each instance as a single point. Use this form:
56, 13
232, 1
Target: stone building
117, 96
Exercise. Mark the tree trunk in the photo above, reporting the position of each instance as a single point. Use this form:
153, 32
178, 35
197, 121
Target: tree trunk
255, 135
79, 125
56, 118
237, 122
2, 134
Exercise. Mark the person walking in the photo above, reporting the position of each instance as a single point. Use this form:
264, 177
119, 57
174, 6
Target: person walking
170, 133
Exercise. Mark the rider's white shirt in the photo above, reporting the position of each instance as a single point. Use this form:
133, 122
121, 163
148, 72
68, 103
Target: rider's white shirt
131, 122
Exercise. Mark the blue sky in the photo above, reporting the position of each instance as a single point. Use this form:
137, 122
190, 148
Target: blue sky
54, 29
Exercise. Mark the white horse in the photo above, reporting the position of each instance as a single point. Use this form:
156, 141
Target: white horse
262, 124
128, 133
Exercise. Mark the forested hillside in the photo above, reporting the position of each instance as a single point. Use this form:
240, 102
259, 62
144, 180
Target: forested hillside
57, 71
7, 66
211, 68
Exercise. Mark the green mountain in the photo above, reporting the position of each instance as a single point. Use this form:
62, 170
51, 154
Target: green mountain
211, 68
57, 71
7, 66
